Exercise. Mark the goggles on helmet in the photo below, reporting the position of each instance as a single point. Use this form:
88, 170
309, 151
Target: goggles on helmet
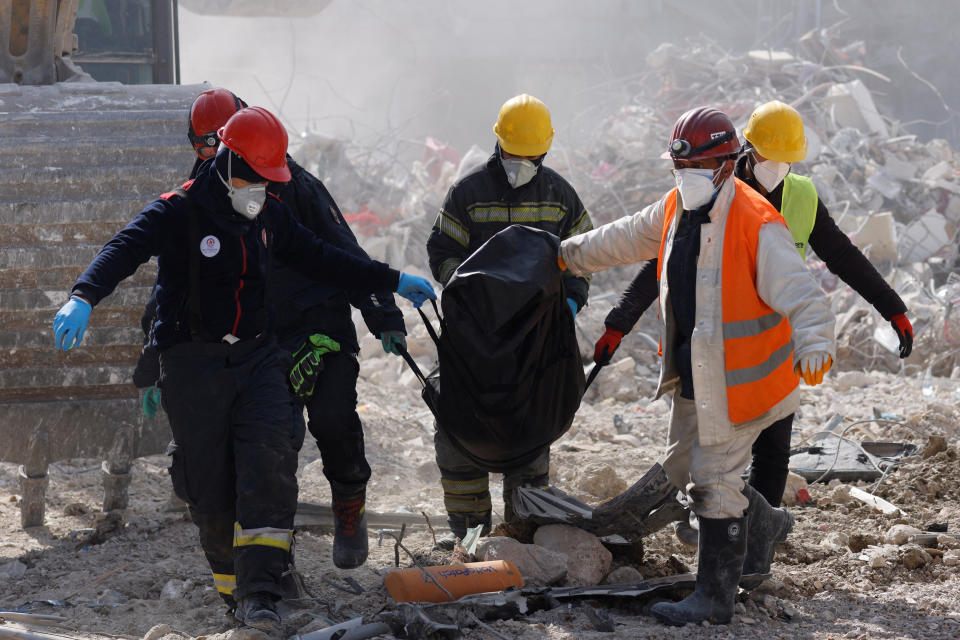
204, 140
681, 148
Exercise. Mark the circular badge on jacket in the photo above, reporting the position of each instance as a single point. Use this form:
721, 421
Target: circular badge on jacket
210, 246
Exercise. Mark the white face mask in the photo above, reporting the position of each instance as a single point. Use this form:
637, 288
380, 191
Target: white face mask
247, 201
519, 171
695, 187
769, 173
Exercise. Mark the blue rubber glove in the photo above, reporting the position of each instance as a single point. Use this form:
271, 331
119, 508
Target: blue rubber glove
415, 289
70, 323
151, 401
393, 342
574, 307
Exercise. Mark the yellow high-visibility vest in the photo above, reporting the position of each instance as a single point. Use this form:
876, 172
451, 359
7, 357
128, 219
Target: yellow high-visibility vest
799, 209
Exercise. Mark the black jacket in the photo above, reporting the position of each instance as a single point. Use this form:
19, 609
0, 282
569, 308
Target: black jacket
225, 256
482, 203
305, 305
830, 244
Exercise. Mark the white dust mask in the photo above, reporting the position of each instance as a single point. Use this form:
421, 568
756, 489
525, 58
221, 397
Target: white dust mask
769, 173
519, 171
695, 186
247, 201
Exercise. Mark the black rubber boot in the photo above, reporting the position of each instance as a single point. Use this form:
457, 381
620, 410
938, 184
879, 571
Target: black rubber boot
350, 544
723, 544
258, 611
766, 528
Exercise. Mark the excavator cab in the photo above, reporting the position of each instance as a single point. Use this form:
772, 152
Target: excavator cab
128, 41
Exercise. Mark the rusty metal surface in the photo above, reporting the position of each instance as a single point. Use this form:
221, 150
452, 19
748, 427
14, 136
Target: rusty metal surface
77, 162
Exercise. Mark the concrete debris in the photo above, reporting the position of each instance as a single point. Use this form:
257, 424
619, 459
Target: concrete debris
877, 503
156, 632
623, 575
899, 534
538, 565
601, 480
12, 569
914, 557
588, 561
951, 558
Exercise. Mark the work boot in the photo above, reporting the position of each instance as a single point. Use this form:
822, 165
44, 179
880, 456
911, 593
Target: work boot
258, 611
291, 581
723, 544
766, 528
459, 523
350, 544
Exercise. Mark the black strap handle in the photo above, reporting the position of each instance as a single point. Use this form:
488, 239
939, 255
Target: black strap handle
413, 366
430, 329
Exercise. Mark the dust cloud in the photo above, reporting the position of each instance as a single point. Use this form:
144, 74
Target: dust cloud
370, 70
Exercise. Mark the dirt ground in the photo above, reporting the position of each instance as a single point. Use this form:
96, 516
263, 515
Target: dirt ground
121, 574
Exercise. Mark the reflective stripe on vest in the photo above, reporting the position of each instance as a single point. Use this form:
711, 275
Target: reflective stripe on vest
799, 208
264, 537
757, 342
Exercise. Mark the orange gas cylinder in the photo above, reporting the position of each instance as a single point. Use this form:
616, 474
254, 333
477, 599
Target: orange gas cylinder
410, 585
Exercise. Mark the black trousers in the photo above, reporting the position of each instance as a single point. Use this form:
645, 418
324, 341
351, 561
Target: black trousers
333, 420
771, 460
236, 437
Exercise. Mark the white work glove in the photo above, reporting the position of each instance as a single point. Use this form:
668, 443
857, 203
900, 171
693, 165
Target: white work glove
812, 366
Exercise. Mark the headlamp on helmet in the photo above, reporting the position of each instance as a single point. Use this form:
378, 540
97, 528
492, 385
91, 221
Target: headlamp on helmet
681, 148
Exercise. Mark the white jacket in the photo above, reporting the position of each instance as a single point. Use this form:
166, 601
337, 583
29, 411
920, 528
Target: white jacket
783, 283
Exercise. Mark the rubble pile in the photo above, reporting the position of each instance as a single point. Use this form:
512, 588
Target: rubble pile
897, 197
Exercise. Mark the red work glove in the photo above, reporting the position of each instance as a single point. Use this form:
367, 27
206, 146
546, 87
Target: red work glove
606, 346
904, 332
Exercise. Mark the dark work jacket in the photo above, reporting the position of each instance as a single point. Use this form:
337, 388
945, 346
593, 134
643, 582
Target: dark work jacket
232, 259
483, 203
305, 305
830, 244
682, 277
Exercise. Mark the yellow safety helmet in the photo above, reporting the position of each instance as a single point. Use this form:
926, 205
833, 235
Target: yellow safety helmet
775, 130
523, 126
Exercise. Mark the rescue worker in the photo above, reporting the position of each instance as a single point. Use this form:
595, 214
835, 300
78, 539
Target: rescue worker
224, 380
740, 318
209, 111
314, 324
775, 139
513, 187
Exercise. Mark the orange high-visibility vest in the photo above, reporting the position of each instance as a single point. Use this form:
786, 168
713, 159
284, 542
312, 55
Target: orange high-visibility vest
757, 342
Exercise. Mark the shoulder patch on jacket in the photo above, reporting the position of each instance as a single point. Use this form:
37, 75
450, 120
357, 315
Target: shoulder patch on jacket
179, 191
335, 214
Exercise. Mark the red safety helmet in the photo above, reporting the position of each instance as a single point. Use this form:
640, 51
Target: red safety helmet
702, 133
210, 111
257, 136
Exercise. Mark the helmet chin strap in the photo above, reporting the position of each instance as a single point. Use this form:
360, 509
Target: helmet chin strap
228, 183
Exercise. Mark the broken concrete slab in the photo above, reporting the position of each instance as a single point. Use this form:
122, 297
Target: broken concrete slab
899, 534
538, 565
588, 561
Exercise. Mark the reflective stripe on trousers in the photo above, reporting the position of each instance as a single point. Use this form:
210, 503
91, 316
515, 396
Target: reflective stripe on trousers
469, 495
264, 537
225, 582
